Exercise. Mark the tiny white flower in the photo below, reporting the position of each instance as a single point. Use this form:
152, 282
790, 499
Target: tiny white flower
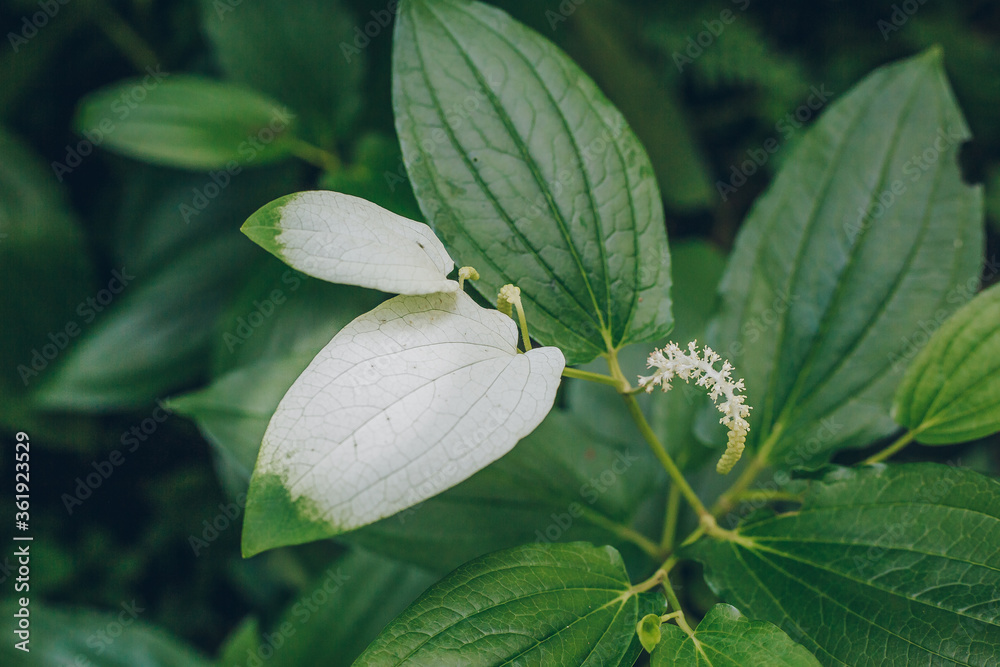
673, 361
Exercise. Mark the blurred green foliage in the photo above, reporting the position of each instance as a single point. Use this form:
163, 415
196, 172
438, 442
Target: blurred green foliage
210, 320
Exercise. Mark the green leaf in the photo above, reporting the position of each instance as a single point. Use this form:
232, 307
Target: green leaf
882, 565
726, 638
951, 392
565, 604
232, 413
245, 639
529, 174
405, 402
343, 610
299, 317
187, 121
867, 233
84, 637
157, 334
153, 337
304, 54
41, 296
558, 484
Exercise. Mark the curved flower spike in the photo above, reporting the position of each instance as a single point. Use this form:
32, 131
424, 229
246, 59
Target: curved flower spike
672, 361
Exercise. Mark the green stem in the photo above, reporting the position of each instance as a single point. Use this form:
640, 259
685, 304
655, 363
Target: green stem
901, 442
675, 604
670, 521
316, 156
592, 377
668, 463
654, 442
624, 532
523, 321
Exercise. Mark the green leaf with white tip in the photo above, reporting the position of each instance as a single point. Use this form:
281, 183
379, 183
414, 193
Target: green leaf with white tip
882, 565
556, 604
188, 122
867, 234
951, 392
345, 239
406, 401
726, 638
531, 175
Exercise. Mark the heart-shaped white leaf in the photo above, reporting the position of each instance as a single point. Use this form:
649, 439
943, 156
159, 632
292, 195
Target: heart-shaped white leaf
405, 402
344, 239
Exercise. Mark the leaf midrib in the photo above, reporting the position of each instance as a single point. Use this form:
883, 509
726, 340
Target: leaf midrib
532, 167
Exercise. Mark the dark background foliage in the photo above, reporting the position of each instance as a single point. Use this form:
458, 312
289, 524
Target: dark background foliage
703, 113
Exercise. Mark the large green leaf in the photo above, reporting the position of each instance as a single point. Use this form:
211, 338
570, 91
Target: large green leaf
339, 613
304, 54
155, 335
47, 274
113, 638
726, 638
565, 604
951, 393
882, 565
187, 121
867, 233
529, 174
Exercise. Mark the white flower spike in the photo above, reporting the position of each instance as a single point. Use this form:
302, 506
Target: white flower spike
672, 361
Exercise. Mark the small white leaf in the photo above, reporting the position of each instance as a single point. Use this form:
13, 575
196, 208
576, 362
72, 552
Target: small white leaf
349, 240
405, 402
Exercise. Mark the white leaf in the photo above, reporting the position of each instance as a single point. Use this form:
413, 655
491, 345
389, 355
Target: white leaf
349, 240
405, 402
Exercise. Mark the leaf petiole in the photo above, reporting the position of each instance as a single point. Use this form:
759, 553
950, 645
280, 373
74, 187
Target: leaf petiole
900, 442
600, 378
